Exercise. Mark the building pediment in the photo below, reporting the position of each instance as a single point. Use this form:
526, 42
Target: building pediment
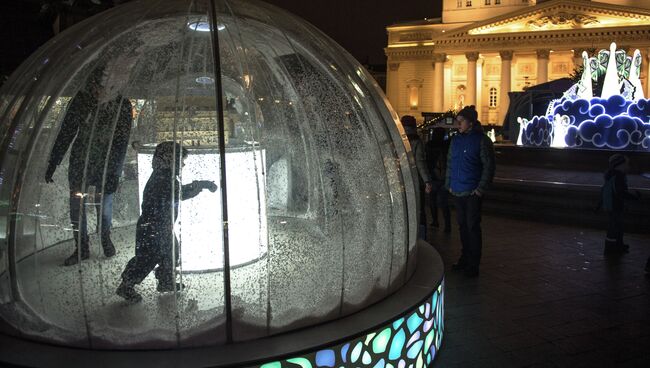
561, 15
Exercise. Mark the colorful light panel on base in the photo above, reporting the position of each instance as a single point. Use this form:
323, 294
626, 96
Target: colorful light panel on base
616, 119
410, 341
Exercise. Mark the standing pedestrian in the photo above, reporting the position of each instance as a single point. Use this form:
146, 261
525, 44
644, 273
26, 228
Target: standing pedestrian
614, 193
97, 124
417, 147
437, 148
470, 169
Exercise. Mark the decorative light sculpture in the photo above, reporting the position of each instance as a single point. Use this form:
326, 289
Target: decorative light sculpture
616, 119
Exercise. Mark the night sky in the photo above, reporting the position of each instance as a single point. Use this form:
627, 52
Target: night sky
358, 25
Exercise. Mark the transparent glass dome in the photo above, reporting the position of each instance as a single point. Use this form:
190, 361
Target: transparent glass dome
313, 218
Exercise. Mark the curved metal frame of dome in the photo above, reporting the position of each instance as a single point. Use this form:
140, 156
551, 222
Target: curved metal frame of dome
21, 169
222, 168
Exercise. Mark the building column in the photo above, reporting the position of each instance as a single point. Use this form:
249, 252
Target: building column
542, 65
439, 82
472, 57
506, 83
392, 84
647, 73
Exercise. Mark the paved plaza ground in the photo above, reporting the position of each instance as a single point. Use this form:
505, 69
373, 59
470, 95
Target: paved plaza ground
546, 297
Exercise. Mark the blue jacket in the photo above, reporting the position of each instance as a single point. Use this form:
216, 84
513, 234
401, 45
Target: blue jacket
470, 163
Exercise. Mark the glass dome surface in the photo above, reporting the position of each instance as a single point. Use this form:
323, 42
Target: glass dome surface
314, 213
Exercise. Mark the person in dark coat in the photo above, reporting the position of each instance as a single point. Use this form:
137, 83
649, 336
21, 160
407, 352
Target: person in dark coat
470, 169
98, 126
437, 149
155, 243
417, 147
614, 194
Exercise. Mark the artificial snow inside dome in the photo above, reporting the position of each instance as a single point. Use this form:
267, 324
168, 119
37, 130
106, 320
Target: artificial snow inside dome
287, 201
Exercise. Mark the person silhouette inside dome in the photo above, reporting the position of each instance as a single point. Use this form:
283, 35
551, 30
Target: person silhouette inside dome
97, 124
155, 243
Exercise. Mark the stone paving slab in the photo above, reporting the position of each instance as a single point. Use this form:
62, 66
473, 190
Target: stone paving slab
546, 297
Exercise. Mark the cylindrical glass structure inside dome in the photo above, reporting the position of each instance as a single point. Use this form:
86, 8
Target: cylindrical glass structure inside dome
223, 145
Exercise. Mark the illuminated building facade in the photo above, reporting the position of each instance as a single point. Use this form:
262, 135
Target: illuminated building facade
480, 50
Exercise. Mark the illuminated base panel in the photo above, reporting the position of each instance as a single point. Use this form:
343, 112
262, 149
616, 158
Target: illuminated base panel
410, 341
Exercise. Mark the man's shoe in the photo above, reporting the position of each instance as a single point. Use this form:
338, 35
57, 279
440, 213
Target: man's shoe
74, 258
447, 229
109, 248
128, 293
471, 272
166, 288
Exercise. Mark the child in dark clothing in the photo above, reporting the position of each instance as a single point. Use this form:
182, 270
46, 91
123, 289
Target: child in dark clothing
155, 228
614, 194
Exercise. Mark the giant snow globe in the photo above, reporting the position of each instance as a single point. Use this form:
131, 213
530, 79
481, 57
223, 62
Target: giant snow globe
239, 169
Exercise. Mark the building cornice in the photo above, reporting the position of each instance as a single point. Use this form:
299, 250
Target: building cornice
525, 42
410, 53
531, 41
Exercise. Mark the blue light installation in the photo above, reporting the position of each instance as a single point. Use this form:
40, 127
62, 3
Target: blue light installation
618, 119
395, 345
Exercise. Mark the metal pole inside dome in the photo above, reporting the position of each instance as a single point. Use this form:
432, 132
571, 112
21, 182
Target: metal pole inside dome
222, 164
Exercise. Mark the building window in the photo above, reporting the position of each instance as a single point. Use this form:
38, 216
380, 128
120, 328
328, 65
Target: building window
468, 3
459, 3
414, 86
497, 2
488, 2
493, 97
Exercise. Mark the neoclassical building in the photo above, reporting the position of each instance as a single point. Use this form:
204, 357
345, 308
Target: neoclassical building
482, 49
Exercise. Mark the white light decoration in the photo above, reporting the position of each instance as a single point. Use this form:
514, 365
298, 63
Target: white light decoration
585, 87
635, 77
204, 80
560, 127
611, 86
617, 119
204, 26
492, 135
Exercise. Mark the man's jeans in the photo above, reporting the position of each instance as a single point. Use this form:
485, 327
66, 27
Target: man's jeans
468, 212
104, 207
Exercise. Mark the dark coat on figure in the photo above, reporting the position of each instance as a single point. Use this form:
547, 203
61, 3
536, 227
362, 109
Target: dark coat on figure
154, 235
619, 193
160, 201
100, 133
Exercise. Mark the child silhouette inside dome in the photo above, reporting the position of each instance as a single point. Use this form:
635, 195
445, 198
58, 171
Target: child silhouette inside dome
155, 243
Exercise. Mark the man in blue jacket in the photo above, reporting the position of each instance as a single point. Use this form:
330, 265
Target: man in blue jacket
470, 169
